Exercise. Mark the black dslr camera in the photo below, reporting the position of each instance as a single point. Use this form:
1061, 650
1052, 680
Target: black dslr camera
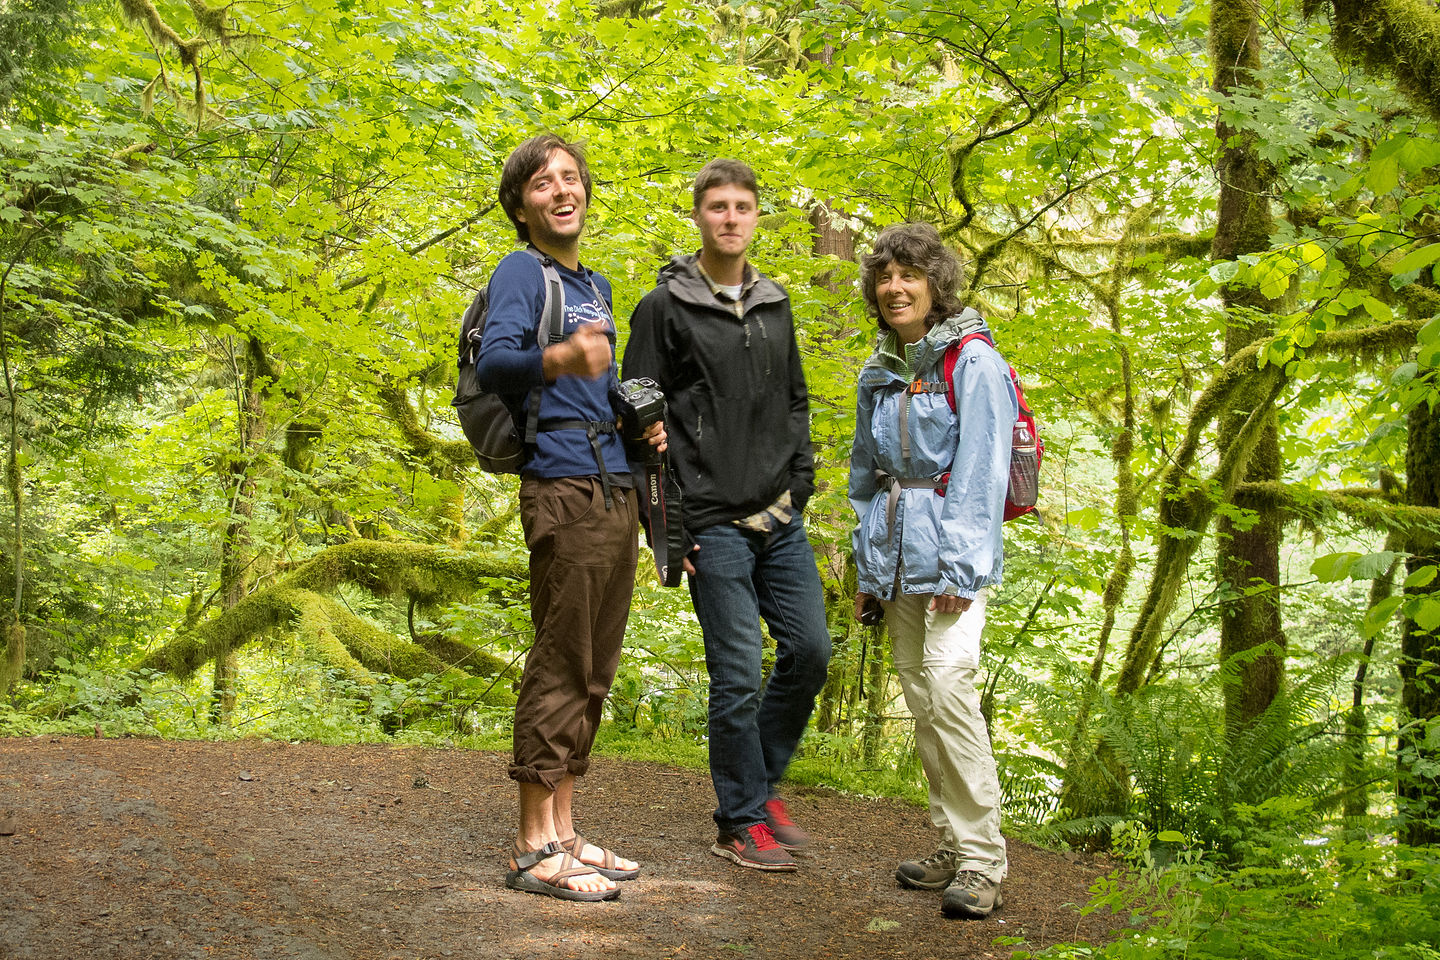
640, 403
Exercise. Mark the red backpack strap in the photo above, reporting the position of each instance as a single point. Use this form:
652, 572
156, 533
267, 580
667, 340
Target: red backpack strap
952, 356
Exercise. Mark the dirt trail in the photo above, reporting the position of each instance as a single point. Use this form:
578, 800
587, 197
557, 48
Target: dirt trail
156, 849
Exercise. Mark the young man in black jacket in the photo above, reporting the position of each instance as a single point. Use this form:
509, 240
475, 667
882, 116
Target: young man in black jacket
719, 339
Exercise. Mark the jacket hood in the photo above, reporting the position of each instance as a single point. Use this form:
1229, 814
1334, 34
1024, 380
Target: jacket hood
682, 277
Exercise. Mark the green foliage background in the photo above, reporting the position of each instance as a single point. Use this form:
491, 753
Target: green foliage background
236, 242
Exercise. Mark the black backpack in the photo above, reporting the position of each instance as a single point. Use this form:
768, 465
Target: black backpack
489, 419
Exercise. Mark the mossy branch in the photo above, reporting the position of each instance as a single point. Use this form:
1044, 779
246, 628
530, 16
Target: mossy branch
427, 575
1372, 508
144, 13
1396, 37
423, 443
1243, 366
319, 630
1186, 508
1187, 505
1175, 246
211, 21
251, 617
327, 624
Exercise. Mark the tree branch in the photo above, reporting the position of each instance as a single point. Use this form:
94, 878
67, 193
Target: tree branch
426, 244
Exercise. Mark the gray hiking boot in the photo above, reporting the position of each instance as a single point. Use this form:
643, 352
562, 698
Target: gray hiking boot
930, 873
971, 894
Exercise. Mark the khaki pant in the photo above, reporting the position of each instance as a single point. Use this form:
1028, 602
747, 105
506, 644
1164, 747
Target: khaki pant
582, 575
936, 656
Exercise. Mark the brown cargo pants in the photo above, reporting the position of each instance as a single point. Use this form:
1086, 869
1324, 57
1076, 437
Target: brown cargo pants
582, 575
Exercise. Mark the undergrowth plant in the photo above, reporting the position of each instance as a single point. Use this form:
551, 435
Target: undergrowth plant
1171, 757
1287, 895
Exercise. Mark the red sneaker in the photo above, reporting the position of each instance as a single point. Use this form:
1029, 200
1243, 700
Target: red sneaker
753, 847
787, 832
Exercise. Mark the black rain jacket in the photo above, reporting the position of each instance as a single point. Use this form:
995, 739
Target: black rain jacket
738, 414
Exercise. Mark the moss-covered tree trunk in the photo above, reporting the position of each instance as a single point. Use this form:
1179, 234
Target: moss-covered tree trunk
1355, 779
12, 664
877, 686
1418, 757
1249, 559
237, 554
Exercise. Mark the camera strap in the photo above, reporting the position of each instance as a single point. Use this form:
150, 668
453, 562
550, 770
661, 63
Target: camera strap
660, 501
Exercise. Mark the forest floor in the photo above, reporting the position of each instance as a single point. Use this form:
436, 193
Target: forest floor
131, 848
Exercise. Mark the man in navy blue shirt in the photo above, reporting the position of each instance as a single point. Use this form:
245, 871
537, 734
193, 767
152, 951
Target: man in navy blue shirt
577, 508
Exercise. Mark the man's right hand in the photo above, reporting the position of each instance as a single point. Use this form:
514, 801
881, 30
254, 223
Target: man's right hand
585, 353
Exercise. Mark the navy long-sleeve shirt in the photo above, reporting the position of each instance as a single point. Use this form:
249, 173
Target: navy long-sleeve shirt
510, 364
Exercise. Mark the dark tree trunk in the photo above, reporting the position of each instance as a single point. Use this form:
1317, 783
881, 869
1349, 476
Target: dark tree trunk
1418, 788
1251, 565
1355, 780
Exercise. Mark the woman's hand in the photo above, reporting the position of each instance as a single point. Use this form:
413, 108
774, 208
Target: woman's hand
868, 610
944, 603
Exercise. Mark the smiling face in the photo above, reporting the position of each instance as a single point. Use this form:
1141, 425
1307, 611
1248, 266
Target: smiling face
903, 296
552, 206
726, 216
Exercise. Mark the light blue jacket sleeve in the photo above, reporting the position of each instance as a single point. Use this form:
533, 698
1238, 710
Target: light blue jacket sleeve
970, 533
862, 485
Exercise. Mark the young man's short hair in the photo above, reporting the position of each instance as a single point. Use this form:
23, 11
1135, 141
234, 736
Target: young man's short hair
523, 163
722, 172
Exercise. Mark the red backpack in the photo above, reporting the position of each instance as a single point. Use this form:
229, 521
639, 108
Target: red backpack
1026, 447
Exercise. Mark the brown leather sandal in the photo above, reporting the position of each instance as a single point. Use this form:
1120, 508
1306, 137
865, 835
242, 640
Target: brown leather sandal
521, 878
607, 869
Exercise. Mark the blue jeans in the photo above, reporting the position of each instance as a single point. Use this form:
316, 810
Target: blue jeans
741, 576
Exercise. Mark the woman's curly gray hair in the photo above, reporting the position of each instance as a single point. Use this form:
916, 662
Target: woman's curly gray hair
915, 245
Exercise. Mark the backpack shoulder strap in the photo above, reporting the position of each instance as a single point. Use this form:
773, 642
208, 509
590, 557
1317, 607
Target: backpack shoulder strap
952, 356
550, 329
470, 324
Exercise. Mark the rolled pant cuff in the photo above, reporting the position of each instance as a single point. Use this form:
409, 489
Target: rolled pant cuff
549, 779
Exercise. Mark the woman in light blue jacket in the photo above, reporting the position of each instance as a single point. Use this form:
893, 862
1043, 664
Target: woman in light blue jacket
928, 485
